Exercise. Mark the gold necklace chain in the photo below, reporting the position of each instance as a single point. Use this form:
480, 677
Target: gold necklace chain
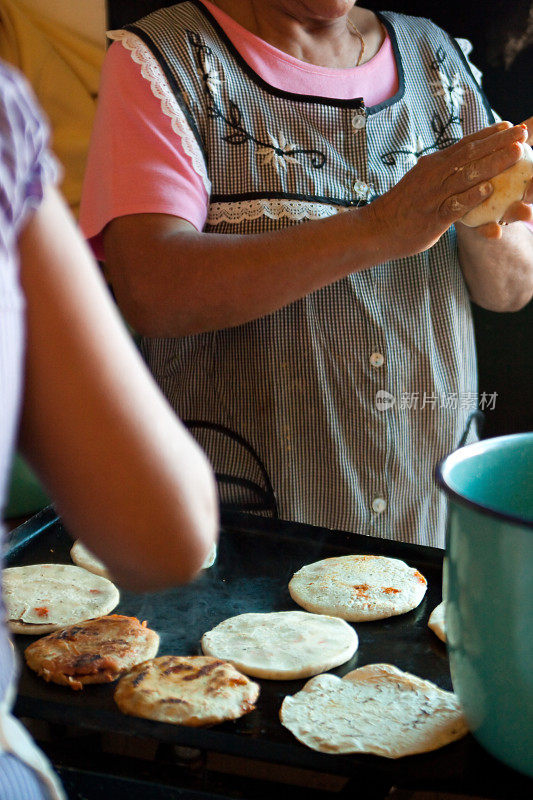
359, 35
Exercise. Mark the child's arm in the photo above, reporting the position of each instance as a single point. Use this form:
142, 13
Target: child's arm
126, 476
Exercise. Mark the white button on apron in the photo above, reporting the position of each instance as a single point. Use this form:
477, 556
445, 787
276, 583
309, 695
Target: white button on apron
362, 190
359, 120
379, 505
377, 359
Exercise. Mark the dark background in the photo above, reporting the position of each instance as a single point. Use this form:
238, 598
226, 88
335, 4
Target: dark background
502, 35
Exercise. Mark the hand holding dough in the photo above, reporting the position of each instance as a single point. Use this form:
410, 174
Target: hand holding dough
508, 187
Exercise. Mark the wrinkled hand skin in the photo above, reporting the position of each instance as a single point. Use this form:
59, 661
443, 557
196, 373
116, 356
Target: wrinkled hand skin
443, 186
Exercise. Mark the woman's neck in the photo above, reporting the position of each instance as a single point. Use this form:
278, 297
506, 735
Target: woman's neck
317, 33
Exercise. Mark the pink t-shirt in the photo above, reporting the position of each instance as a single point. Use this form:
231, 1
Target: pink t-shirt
137, 163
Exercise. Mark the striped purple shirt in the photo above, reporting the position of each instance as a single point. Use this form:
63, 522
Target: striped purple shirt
25, 167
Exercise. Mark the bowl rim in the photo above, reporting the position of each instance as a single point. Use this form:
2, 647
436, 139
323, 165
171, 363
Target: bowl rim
483, 508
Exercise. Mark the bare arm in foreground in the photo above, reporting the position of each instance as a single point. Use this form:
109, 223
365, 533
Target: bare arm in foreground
126, 476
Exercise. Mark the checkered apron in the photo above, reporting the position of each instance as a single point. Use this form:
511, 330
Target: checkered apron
335, 409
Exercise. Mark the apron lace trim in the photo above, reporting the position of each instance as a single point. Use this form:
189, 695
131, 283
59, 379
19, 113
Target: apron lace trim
274, 208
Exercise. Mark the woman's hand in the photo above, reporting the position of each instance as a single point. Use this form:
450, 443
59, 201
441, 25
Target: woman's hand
443, 186
521, 211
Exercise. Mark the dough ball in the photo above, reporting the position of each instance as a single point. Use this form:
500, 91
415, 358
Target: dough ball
509, 187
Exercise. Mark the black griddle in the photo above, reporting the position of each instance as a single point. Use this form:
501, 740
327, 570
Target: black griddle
256, 559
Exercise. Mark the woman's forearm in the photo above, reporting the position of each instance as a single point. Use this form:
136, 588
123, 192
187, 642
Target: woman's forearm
498, 272
210, 281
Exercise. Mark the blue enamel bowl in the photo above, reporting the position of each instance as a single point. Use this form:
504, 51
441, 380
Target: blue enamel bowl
488, 589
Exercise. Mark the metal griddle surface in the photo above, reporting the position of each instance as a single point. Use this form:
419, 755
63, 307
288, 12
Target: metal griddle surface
256, 559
